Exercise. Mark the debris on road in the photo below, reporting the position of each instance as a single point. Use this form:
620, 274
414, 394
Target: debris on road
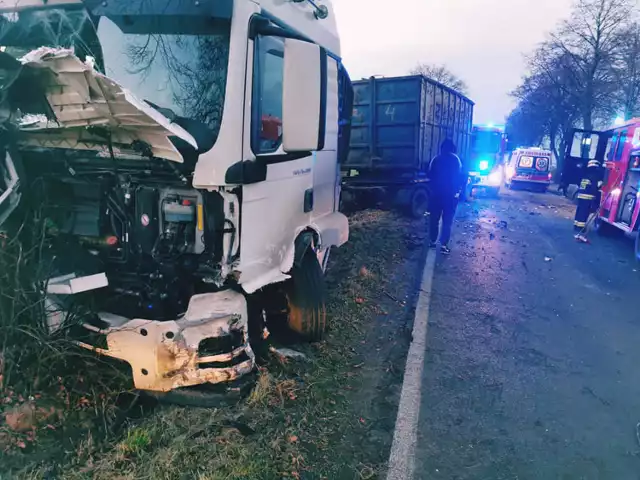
289, 353
548, 259
582, 238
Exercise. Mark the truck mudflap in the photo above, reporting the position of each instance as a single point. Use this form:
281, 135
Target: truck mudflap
209, 344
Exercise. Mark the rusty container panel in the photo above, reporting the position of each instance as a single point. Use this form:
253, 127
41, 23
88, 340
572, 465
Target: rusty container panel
398, 123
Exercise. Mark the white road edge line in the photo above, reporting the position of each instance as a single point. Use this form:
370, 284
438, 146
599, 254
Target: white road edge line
402, 457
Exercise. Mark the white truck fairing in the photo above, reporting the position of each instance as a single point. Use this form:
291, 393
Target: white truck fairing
188, 146
81, 97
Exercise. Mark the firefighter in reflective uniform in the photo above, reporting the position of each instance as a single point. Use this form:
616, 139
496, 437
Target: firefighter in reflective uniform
588, 195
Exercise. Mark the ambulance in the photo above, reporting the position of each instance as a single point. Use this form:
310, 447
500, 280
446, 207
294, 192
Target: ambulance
529, 167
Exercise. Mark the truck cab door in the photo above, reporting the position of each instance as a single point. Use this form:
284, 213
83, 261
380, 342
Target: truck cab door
582, 146
278, 195
9, 185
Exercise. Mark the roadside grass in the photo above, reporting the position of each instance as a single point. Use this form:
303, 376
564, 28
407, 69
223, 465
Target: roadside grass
51, 391
302, 419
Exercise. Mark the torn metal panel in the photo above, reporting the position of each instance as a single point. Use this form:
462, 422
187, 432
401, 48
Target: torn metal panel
81, 97
167, 355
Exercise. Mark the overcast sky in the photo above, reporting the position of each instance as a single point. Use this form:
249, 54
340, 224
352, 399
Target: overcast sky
483, 41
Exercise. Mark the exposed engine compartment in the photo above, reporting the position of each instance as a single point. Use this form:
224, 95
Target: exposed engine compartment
158, 241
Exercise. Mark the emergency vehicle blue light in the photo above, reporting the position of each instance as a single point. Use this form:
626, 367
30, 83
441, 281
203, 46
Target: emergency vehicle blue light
483, 165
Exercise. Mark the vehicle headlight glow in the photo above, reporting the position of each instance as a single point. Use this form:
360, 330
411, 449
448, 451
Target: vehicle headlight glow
494, 178
483, 165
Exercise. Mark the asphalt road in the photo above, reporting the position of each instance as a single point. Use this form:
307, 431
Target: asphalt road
533, 357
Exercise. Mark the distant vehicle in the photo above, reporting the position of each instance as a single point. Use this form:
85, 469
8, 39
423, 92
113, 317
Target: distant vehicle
488, 148
398, 125
530, 167
618, 149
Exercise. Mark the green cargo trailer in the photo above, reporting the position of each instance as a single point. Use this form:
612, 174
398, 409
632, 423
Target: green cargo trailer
397, 127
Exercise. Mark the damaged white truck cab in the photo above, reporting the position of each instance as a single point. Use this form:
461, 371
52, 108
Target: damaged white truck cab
183, 155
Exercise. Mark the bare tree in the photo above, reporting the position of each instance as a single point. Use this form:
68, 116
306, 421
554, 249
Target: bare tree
581, 76
627, 71
588, 44
547, 109
442, 74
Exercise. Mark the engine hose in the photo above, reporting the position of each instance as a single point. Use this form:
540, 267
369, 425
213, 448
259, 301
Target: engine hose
232, 231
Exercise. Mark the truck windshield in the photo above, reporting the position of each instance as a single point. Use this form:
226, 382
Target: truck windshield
21, 32
486, 141
175, 63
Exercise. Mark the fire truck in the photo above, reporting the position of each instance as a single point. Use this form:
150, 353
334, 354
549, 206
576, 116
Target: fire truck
488, 149
618, 150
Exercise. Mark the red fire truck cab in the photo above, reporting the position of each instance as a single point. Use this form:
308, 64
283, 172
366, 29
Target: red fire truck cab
618, 150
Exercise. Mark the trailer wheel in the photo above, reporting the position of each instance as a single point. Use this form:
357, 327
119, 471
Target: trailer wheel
605, 229
307, 298
419, 205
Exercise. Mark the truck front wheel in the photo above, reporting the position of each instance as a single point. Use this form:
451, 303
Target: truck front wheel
307, 298
605, 229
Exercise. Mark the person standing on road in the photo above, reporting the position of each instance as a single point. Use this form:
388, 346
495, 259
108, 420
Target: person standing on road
446, 183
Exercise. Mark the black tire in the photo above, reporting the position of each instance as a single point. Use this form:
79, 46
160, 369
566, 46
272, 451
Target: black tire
419, 203
307, 299
605, 229
224, 394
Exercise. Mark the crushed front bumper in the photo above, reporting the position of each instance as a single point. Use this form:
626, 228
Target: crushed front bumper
209, 344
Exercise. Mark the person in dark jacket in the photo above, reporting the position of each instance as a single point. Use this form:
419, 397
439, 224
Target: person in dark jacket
446, 183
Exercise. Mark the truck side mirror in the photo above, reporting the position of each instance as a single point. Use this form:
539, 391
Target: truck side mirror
304, 96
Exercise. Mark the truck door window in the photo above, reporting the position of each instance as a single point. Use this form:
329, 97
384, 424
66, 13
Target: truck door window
611, 147
620, 146
267, 95
345, 107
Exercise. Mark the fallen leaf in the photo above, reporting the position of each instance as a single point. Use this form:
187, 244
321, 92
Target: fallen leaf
364, 272
359, 300
293, 439
21, 418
